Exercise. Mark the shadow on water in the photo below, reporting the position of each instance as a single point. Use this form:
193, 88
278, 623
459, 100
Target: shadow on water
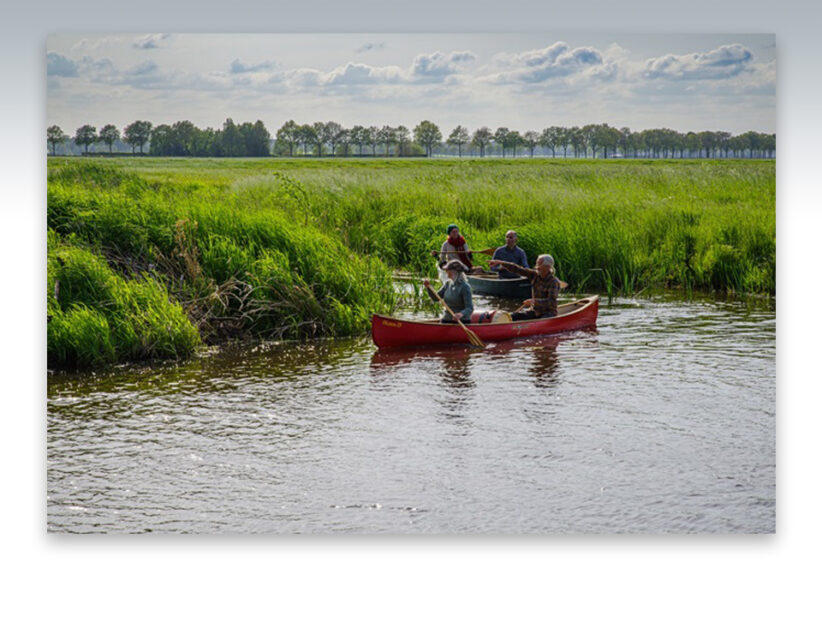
217, 370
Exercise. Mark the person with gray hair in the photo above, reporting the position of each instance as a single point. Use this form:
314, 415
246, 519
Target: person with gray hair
456, 292
544, 288
509, 252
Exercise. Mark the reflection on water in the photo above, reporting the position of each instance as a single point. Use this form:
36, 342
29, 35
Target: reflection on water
659, 420
455, 360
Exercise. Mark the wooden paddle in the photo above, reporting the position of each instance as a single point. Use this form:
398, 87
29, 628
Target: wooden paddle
488, 251
472, 336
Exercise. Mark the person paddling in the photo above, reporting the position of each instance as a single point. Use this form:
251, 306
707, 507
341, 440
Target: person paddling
456, 292
544, 288
456, 248
509, 252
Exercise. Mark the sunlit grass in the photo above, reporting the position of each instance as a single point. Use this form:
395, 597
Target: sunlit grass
298, 248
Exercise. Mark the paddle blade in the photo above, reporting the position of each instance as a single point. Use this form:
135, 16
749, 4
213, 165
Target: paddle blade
488, 251
475, 341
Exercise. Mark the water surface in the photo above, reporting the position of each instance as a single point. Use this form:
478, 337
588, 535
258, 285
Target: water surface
661, 420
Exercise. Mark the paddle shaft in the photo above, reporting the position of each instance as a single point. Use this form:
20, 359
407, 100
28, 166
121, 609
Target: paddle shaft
488, 251
473, 338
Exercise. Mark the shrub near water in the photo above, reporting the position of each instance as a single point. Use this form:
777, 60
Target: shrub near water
95, 316
237, 264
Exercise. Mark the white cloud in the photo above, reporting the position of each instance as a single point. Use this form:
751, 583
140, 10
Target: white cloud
155, 40
537, 57
237, 67
98, 70
145, 68
146, 75
304, 77
354, 74
426, 68
720, 63
89, 44
530, 87
370, 46
59, 66
438, 65
550, 63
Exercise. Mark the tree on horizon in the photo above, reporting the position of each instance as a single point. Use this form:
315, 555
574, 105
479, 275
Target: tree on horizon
459, 136
137, 133
427, 134
108, 135
482, 137
55, 136
85, 136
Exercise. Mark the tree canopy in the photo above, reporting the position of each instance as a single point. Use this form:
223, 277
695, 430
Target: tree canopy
108, 135
459, 136
55, 137
427, 134
137, 134
329, 138
85, 136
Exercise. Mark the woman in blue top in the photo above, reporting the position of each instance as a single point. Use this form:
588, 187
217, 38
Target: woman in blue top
456, 292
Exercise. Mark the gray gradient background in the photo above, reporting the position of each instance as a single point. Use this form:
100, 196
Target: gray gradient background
751, 584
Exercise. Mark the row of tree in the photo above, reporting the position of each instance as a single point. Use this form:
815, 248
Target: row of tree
180, 139
332, 139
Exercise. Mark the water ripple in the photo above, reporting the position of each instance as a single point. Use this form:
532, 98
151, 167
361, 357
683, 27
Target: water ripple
659, 421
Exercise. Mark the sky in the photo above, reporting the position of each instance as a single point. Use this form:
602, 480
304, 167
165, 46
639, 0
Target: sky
521, 81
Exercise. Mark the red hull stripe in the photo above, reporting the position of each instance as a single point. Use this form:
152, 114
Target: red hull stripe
390, 332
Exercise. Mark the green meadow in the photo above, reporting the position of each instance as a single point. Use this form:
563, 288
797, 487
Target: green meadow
150, 258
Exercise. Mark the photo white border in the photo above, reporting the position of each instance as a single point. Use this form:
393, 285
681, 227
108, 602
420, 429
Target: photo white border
604, 584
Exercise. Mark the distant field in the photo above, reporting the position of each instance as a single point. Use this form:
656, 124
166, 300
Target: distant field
212, 249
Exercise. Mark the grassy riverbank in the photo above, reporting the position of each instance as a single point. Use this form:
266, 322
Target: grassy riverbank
150, 257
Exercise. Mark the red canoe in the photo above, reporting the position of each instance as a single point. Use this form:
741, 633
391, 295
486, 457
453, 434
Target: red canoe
390, 332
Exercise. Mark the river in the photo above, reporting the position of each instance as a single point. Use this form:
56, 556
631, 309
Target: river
661, 420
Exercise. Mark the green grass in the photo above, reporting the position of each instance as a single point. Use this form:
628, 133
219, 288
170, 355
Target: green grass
96, 316
303, 247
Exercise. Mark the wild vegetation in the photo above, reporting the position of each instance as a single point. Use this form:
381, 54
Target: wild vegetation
150, 257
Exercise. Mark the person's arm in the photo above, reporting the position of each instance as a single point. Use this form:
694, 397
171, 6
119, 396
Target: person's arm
468, 301
516, 268
523, 259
